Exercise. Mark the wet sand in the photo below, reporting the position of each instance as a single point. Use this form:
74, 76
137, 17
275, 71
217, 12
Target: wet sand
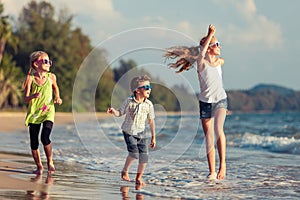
18, 182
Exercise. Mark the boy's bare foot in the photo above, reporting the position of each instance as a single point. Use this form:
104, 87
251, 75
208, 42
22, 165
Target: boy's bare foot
51, 169
138, 187
222, 172
124, 176
38, 171
139, 183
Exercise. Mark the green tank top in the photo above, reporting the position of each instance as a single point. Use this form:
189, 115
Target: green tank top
41, 109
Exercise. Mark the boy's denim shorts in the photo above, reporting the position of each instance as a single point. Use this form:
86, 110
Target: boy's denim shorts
137, 147
207, 110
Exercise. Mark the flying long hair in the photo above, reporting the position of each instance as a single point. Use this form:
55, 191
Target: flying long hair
185, 56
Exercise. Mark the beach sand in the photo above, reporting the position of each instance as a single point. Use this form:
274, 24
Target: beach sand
14, 121
17, 181
69, 182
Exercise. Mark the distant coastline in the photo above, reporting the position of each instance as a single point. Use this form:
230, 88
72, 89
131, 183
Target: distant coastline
264, 98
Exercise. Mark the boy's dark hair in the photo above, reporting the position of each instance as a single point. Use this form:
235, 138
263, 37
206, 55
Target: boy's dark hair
137, 80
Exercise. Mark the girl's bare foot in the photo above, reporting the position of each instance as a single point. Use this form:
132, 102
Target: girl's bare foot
38, 171
51, 169
222, 172
124, 176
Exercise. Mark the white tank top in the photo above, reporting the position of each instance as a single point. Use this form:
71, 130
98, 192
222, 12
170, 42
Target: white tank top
211, 84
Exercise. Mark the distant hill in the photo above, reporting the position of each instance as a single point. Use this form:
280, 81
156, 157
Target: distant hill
264, 97
275, 88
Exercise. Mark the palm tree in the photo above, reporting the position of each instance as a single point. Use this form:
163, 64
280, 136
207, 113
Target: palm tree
10, 83
10, 93
6, 34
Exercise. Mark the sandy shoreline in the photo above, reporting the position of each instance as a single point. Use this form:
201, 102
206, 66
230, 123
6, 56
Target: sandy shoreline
14, 121
11, 165
17, 181
14, 166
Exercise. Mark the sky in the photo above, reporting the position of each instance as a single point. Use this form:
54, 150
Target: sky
259, 38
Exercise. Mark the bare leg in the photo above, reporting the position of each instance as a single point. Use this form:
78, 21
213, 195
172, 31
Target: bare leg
128, 162
221, 141
210, 149
140, 172
37, 159
48, 152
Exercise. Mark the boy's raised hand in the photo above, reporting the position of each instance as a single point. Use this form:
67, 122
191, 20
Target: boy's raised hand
110, 110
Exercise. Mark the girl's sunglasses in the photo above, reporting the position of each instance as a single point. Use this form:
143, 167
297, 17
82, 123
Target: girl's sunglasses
45, 61
216, 44
146, 87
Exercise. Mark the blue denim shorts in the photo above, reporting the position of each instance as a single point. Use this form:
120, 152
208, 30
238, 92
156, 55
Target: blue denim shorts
207, 110
137, 147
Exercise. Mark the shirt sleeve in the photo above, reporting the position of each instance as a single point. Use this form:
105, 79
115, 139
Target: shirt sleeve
123, 107
151, 114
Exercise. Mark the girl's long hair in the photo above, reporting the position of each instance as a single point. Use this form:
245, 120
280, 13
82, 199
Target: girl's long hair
185, 56
33, 57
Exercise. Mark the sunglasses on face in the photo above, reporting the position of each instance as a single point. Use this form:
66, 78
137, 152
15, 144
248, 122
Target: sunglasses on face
45, 61
146, 87
216, 44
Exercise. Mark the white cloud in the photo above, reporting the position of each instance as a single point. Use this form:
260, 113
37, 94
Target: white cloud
13, 7
97, 18
93, 8
153, 21
256, 28
267, 32
100, 19
246, 7
186, 26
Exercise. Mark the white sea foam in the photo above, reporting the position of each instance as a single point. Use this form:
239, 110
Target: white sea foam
275, 144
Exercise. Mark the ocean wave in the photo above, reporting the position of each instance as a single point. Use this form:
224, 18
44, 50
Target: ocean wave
275, 144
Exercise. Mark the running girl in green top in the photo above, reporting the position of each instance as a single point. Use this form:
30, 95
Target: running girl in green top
38, 92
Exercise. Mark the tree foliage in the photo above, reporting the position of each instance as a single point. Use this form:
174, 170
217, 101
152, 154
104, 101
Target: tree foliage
10, 83
39, 30
6, 33
10, 95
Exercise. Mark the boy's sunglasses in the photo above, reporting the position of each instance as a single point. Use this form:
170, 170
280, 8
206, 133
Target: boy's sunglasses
217, 44
45, 61
146, 87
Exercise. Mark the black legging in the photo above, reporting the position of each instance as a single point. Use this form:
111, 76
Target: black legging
34, 130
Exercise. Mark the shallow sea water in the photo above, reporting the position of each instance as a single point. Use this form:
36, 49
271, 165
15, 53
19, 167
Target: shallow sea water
262, 160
